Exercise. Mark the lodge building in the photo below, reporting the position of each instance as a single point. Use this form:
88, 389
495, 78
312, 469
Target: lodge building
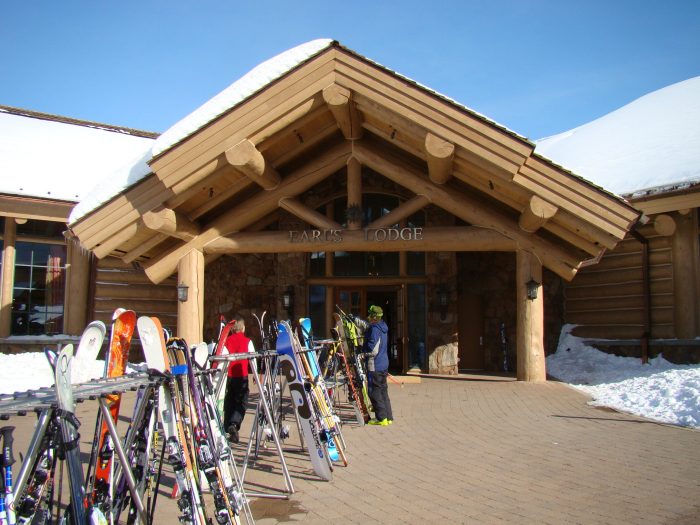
322, 180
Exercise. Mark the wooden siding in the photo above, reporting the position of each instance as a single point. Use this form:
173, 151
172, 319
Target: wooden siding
606, 300
120, 285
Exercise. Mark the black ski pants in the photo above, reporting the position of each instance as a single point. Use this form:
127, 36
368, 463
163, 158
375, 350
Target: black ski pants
236, 401
379, 395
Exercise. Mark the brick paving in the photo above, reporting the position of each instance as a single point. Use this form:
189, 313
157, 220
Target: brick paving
481, 449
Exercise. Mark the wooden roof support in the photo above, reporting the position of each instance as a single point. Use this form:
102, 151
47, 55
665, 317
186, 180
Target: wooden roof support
247, 159
167, 221
406, 209
354, 193
456, 238
143, 247
113, 242
440, 156
467, 208
339, 100
306, 214
253, 209
537, 212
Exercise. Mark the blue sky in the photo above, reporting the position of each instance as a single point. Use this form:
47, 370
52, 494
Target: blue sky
538, 67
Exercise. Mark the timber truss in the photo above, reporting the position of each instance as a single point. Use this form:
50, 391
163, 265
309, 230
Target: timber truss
221, 188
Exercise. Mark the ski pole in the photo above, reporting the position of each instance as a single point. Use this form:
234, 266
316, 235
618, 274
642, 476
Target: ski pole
7, 461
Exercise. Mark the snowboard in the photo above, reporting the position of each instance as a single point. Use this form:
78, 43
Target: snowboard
302, 404
123, 325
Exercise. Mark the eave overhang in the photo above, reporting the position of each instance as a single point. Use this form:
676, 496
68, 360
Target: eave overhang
231, 175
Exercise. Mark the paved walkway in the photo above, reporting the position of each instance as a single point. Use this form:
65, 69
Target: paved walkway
485, 451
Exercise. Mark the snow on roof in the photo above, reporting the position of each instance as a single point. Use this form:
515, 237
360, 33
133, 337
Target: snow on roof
257, 78
650, 145
56, 158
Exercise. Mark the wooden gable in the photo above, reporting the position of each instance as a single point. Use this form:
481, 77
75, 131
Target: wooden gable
234, 174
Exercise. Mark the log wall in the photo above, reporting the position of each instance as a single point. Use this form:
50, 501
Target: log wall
121, 285
607, 299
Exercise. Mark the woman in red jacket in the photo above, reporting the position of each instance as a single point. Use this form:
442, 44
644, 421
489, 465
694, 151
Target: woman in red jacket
236, 399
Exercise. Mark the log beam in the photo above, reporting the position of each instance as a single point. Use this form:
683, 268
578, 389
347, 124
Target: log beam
354, 192
467, 208
403, 211
339, 100
664, 225
306, 214
247, 159
167, 221
112, 243
440, 155
536, 214
437, 239
253, 209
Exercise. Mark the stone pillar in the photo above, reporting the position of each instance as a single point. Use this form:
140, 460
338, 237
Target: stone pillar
530, 324
190, 313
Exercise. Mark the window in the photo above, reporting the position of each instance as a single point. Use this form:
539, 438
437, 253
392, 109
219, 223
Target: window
377, 263
39, 279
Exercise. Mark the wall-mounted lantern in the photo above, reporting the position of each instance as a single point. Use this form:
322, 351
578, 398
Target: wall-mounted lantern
288, 301
182, 292
443, 301
532, 287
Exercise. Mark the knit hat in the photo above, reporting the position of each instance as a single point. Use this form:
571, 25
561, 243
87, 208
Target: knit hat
375, 311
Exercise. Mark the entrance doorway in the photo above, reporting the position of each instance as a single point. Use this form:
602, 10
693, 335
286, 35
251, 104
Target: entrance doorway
357, 300
471, 327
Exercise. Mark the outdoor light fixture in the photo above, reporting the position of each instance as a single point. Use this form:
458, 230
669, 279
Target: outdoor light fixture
532, 287
182, 290
288, 301
443, 301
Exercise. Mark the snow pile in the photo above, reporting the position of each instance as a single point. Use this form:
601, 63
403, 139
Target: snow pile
652, 143
659, 390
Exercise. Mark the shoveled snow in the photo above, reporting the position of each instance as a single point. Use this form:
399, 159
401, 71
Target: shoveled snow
59, 160
651, 143
659, 390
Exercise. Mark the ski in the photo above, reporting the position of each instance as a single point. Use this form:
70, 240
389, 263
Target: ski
123, 326
89, 346
329, 421
302, 404
213, 452
178, 456
69, 424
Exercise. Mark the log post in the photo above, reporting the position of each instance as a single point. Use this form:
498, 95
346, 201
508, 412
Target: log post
190, 313
684, 278
354, 192
8, 276
77, 287
530, 325
440, 154
247, 159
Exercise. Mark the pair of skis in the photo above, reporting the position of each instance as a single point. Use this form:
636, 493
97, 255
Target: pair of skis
192, 430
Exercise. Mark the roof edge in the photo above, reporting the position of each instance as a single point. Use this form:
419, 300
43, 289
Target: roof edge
77, 122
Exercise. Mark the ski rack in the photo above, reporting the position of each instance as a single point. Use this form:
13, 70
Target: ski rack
264, 404
22, 403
